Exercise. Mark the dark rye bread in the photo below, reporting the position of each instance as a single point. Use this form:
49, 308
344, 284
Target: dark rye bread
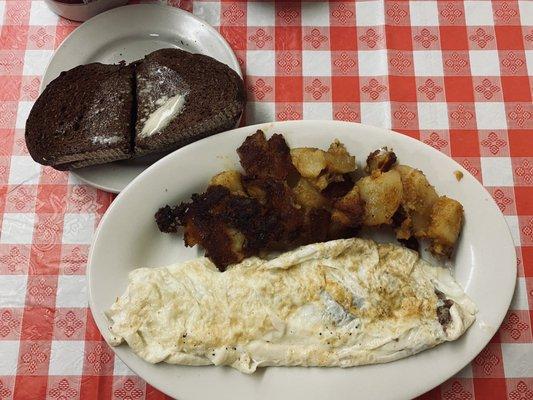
83, 117
87, 115
213, 96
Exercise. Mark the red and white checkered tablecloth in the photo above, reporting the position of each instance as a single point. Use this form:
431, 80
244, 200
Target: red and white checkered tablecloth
454, 74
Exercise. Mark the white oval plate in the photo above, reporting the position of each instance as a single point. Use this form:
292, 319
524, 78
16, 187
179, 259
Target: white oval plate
129, 33
128, 238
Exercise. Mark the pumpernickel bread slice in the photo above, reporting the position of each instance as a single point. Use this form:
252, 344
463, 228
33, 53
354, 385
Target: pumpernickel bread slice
183, 97
84, 117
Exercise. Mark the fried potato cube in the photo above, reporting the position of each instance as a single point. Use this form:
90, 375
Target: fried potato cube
322, 168
348, 211
230, 179
253, 188
325, 179
309, 161
350, 202
382, 195
446, 221
340, 220
417, 191
382, 159
307, 195
402, 223
339, 160
256, 192
237, 240
418, 198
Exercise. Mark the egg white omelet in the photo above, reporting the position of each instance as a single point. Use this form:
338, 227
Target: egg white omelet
341, 303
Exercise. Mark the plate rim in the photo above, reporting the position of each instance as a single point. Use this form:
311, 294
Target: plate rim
148, 7
423, 387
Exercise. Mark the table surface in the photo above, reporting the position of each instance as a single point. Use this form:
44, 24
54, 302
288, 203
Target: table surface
453, 74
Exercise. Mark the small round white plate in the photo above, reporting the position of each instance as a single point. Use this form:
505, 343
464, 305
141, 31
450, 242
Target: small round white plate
128, 238
129, 33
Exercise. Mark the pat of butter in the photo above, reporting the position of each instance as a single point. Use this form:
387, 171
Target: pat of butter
161, 117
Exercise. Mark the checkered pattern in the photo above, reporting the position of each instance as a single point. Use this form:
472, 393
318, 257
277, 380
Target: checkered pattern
454, 74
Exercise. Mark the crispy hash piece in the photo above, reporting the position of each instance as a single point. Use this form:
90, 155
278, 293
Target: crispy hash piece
382, 160
287, 198
266, 159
